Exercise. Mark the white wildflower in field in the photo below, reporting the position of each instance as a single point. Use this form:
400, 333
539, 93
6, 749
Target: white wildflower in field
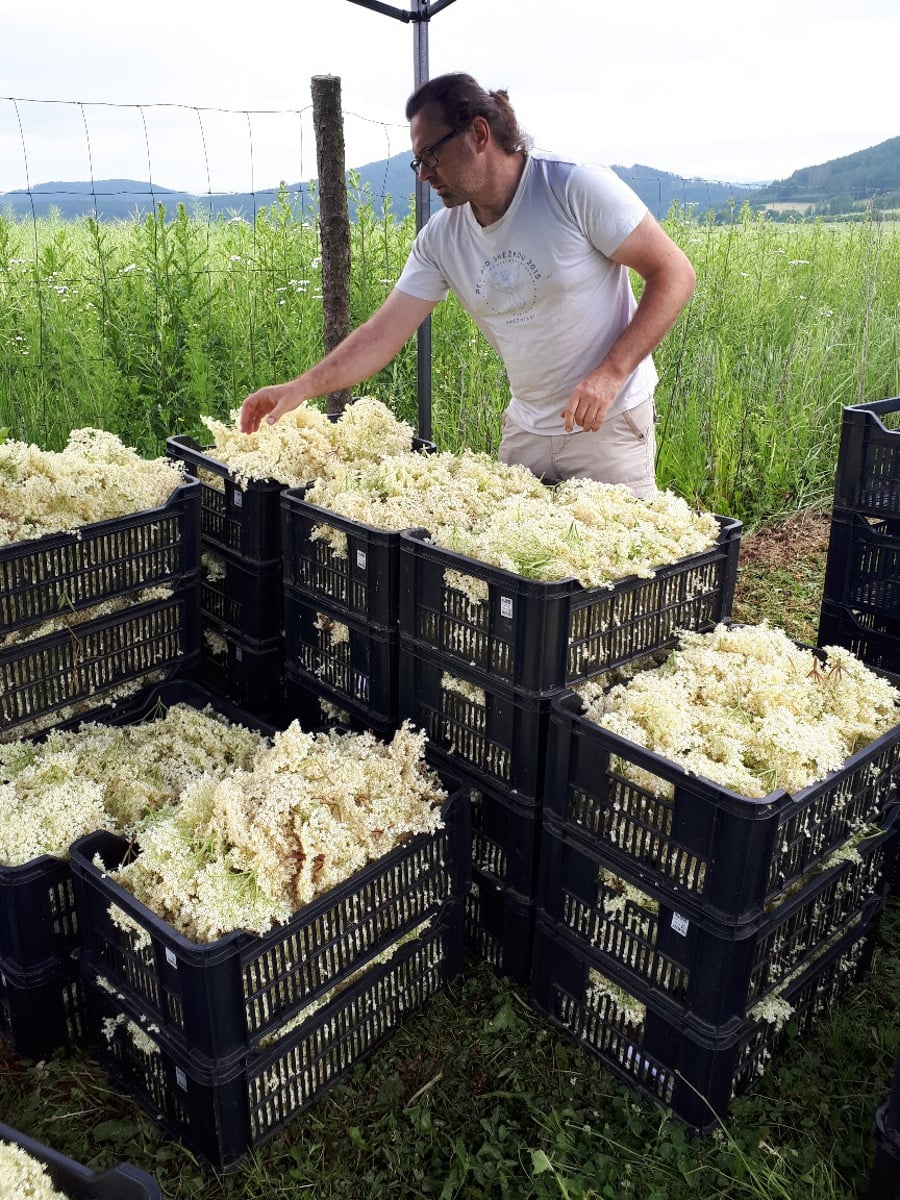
95, 478
304, 443
23, 1176
109, 776
249, 850
503, 515
747, 708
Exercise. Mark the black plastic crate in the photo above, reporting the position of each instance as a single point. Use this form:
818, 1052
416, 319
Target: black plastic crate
689, 1067
311, 702
360, 578
38, 915
217, 1000
42, 1011
499, 927
246, 598
542, 636
244, 520
221, 1112
506, 836
247, 672
862, 568
714, 972
69, 572
884, 1180
122, 1182
480, 725
357, 663
868, 469
43, 680
38, 920
729, 853
873, 638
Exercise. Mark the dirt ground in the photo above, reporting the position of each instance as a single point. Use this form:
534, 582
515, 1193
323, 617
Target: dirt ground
781, 571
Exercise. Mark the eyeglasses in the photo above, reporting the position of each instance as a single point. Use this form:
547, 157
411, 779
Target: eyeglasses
427, 157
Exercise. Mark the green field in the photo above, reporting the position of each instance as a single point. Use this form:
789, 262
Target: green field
142, 327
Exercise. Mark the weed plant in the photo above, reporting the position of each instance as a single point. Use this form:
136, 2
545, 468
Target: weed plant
141, 326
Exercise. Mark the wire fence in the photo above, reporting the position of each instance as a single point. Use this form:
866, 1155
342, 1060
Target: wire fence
113, 160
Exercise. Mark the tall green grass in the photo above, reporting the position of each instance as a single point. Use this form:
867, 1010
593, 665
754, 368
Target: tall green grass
142, 326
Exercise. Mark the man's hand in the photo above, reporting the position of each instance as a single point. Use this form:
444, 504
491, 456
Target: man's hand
668, 283
270, 402
591, 400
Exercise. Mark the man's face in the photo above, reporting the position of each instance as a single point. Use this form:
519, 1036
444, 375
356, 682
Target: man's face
450, 176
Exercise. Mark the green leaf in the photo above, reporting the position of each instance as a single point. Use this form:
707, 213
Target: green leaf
540, 1162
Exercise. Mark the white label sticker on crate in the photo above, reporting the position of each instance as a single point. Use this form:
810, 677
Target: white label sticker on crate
680, 924
506, 606
171, 958
361, 559
238, 498
181, 1079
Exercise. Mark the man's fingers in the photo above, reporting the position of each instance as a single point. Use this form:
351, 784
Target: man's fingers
254, 408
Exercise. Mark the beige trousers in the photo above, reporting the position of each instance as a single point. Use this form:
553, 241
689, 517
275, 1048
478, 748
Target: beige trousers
622, 450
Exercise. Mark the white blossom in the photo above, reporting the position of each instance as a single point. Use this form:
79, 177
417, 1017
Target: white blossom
94, 478
25, 1177
747, 708
248, 850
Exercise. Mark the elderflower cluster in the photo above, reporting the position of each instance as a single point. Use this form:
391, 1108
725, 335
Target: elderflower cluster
250, 849
24, 1176
747, 708
503, 515
304, 443
109, 776
94, 478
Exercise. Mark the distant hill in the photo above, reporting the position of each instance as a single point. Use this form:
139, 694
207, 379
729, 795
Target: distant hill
120, 199
841, 186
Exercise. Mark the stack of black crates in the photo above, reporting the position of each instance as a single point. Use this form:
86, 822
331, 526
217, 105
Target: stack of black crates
114, 645
342, 600
483, 654
680, 925
861, 610
242, 636
861, 595
226, 1042
669, 937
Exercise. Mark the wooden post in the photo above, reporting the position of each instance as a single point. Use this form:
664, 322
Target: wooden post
334, 218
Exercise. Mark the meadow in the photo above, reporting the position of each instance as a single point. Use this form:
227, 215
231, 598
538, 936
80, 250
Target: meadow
141, 328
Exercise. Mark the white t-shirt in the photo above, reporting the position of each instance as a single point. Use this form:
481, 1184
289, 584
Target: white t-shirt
539, 283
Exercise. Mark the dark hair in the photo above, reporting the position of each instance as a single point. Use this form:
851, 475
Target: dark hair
460, 99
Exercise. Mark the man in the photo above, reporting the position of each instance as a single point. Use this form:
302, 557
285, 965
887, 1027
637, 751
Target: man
537, 250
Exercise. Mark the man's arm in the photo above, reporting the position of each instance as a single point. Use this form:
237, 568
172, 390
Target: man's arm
360, 355
668, 285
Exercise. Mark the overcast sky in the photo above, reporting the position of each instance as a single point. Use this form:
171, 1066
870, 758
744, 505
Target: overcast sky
218, 97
